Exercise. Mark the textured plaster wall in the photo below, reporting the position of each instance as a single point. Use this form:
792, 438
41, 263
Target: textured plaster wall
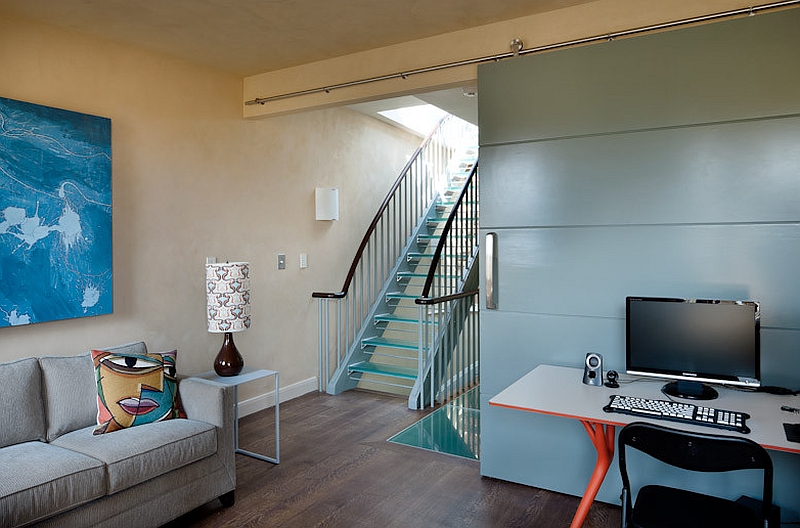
192, 179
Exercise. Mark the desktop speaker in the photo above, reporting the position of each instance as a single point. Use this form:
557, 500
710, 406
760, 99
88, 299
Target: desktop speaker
593, 370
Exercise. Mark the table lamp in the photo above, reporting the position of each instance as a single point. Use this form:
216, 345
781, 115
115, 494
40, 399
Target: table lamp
228, 301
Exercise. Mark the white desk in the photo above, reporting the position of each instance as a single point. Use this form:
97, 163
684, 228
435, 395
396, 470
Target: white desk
244, 377
559, 391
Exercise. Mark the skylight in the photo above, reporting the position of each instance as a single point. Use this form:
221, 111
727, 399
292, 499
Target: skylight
420, 118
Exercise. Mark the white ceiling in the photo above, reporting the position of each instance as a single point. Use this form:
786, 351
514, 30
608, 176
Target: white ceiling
247, 37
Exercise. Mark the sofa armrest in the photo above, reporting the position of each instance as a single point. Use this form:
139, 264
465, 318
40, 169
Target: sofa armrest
213, 403
207, 401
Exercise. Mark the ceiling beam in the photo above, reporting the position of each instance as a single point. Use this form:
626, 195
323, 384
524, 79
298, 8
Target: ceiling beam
572, 23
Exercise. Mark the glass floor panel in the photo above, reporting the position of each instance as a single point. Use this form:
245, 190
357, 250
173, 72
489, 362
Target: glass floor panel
454, 429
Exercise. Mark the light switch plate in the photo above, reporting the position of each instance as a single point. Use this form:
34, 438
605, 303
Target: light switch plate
303, 261
281, 261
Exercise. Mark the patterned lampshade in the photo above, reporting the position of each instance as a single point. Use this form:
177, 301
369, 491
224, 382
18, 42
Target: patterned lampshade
228, 295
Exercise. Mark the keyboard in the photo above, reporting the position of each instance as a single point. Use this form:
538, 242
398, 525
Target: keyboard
679, 412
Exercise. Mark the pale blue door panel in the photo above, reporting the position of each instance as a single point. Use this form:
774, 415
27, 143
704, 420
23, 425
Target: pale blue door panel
739, 69
588, 271
549, 452
512, 344
664, 165
735, 172
780, 359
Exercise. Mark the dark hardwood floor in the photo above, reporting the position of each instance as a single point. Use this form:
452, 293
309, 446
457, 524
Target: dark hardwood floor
338, 470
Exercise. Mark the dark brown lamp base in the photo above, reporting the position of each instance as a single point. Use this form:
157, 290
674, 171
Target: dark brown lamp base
228, 361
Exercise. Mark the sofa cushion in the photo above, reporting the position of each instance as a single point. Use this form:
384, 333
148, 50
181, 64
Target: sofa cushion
137, 454
40, 480
134, 388
70, 393
137, 347
21, 412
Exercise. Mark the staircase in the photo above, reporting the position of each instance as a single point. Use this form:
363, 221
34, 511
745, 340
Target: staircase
392, 345
407, 324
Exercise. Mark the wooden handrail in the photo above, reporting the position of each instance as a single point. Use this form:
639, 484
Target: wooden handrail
371, 229
426, 289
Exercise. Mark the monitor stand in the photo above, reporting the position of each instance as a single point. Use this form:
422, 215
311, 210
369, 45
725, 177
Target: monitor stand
690, 390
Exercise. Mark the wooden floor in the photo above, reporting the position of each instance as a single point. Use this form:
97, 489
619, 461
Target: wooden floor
338, 470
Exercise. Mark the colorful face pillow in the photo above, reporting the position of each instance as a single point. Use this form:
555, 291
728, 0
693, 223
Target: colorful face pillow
134, 389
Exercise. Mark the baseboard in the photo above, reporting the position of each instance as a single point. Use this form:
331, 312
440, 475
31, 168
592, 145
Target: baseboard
267, 400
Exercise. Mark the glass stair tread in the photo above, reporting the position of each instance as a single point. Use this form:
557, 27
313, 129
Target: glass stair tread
398, 295
368, 367
411, 275
438, 237
420, 256
431, 238
390, 318
389, 343
449, 203
441, 219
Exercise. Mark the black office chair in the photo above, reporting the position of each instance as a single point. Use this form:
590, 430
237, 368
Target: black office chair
664, 507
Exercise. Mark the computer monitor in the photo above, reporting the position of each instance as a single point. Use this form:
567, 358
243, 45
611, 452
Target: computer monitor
694, 342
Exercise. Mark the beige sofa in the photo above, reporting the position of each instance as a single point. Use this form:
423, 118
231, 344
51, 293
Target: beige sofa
55, 473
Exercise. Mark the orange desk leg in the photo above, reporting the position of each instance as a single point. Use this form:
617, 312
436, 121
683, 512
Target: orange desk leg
603, 440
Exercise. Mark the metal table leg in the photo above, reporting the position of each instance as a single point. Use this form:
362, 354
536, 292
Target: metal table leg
603, 439
276, 459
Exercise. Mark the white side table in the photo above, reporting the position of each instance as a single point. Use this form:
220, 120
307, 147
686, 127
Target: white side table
244, 377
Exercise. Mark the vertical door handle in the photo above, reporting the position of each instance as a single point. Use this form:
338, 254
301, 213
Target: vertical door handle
491, 267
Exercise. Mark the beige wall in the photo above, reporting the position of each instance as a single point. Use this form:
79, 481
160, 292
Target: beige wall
192, 179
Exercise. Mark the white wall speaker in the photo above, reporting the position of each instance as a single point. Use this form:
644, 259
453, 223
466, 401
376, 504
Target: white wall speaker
326, 200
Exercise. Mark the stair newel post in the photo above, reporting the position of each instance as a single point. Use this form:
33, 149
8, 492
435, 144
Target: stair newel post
420, 348
348, 339
326, 366
430, 339
472, 350
447, 344
322, 348
338, 332
458, 308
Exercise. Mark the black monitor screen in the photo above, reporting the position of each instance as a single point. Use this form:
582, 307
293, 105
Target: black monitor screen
703, 340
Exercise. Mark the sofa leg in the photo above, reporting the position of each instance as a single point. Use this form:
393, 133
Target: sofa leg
228, 499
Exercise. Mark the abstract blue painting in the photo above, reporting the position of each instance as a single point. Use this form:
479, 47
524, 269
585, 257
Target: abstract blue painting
55, 214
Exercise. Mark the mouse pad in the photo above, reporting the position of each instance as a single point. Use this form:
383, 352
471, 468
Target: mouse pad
792, 432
